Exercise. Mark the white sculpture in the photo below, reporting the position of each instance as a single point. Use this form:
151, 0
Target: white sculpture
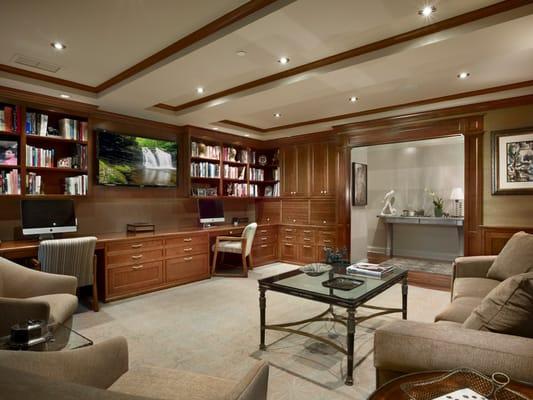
388, 208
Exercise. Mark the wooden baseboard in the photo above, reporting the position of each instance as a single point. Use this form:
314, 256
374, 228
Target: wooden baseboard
429, 280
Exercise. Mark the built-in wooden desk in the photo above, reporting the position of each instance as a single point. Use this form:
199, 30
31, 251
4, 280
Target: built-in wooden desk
130, 264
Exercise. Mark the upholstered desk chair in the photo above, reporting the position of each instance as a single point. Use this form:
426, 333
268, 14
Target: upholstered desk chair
236, 245
73, 257
27, 294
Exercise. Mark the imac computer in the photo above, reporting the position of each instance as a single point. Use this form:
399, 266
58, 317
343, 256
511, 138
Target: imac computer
46, 217
210, 211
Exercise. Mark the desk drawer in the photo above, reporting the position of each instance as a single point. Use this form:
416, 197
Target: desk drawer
134, 258
306, 236
289, 252
134, 246
136, 278
327, 238
230, 232
306, 253
187, 269
265, 251
186, 250
265, 239
193, 239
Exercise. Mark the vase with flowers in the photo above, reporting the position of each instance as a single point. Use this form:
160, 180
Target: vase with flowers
438, 203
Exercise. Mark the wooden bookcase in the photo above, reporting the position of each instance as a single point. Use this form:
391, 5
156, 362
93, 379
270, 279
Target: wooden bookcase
227, 170
10, 150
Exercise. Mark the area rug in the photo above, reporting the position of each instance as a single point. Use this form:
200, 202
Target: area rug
422, 265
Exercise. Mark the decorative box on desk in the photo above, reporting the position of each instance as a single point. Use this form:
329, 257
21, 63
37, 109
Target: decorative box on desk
138, 227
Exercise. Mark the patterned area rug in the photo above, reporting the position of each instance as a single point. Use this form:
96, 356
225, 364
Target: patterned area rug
422, 265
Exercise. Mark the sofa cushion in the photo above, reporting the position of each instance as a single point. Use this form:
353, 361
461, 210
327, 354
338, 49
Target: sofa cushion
508, 308
473, 287
171, 384
515, 258
459, 310
62, 305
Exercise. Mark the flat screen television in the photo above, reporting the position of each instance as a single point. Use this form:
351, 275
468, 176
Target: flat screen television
128, 160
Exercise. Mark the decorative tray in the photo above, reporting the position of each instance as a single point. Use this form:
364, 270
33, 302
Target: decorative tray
316, 269
343, 283
460, 384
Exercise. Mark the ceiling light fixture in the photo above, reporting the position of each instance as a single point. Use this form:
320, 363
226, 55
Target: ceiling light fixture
215, 128
427, 11
277, 115
200, 90
247, 135
463, 75
64, 96
58, 45
241, 53
353, 99
284, 60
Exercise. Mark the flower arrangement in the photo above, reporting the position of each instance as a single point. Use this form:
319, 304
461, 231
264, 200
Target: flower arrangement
438, 202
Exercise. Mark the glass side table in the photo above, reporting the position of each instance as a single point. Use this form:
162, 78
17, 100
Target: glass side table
59, 337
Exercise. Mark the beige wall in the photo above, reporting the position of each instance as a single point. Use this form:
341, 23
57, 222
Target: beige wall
505, 210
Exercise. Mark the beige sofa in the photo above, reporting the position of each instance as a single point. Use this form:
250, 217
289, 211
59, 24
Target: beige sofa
101, 372
27, 294
406, 346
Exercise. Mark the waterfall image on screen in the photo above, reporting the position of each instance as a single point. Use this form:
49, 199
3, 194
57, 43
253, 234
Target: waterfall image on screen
135, 161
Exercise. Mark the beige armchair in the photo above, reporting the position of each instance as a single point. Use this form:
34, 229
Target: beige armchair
236, 245
101, 372
28, 294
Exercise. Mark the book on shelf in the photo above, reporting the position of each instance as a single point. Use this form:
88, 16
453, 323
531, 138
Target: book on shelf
275, 174
36, 123
237, 189
368, 269
9, 118
10, 182
202, 150
205, 170
76, 185
37, 157
73, 129
234, 172
272, 190
257, 174
254, 190
33, 183
233, 154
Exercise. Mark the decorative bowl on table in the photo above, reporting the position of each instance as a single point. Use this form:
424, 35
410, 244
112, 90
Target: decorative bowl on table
315, 269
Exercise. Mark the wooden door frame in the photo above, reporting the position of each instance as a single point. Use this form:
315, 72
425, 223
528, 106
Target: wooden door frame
391, 130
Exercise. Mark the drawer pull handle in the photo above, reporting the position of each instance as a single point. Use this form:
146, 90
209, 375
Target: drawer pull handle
264, 245
136, 246
288, 230
307, 239
137, 257
287, 244
188, 249
324, 222
187, 240
137, 267
327, 241
307, 247
268, 219
187, 258
264, 238
307, 231
289, 237
263, 231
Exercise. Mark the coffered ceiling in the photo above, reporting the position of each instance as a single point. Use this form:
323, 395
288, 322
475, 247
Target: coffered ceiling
381, 51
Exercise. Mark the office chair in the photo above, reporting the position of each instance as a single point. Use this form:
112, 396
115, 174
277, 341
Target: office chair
73, 257
236, 245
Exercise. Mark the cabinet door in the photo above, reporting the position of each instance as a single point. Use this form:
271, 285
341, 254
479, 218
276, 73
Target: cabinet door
332, 170
289, 252
323, 169
322, 212
268, 211
303, 170
306, 253
289, 171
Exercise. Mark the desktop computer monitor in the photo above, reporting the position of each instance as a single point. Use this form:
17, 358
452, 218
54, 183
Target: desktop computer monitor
210, 210
46, 217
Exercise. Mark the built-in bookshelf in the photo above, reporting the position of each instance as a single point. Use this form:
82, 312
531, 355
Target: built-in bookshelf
219, 169
10, 150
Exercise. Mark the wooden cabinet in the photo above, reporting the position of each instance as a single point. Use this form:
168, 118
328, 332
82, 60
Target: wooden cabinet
295, 212
323, 169
295, 170
187, 268
289, 252
134, 278
268, 212
265, 246
322, 212
306, 253
304, 245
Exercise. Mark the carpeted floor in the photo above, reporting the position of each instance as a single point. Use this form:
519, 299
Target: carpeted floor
212, 327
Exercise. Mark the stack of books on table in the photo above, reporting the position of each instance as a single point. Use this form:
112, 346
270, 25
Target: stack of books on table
373, 270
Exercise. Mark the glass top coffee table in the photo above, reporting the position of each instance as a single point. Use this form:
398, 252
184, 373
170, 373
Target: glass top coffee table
59, 337
356, 291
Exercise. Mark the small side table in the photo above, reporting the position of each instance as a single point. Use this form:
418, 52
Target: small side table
392, 390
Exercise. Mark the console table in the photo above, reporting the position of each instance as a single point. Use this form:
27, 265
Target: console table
390, 220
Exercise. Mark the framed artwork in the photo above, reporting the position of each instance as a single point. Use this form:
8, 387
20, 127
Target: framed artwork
8, 152
512, 161
359, 184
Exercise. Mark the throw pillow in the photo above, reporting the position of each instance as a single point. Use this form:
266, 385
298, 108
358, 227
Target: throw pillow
515, 258
508, 308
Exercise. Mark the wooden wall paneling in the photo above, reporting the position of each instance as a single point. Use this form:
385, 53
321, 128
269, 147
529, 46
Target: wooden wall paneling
289, 170
323, 169
494, 238
473, 203
303, 170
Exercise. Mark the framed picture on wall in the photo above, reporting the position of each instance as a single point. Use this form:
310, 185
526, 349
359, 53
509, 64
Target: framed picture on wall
359, 187
512, 161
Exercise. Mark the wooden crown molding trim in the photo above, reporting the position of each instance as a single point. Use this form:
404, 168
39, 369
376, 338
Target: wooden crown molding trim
211, 28
456, 96
127, 119
449, 23
44, 99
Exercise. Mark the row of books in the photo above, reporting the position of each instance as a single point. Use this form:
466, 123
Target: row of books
272, 191
10, 182
76, 185
33, 183
254, 191
205, 151
234, 172
237, 189
276, 174
37, 124
37, 157
73, 129
78, 160
8, 118
257, 174
205, 170
368, 269
235, 155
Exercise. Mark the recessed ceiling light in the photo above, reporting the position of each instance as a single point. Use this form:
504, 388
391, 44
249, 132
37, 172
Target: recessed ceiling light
427, 11
215, 128
199, 90
64, 96
277, 115
58, 45
247, 135
463, 75
241, 53
353, 99
284, 60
